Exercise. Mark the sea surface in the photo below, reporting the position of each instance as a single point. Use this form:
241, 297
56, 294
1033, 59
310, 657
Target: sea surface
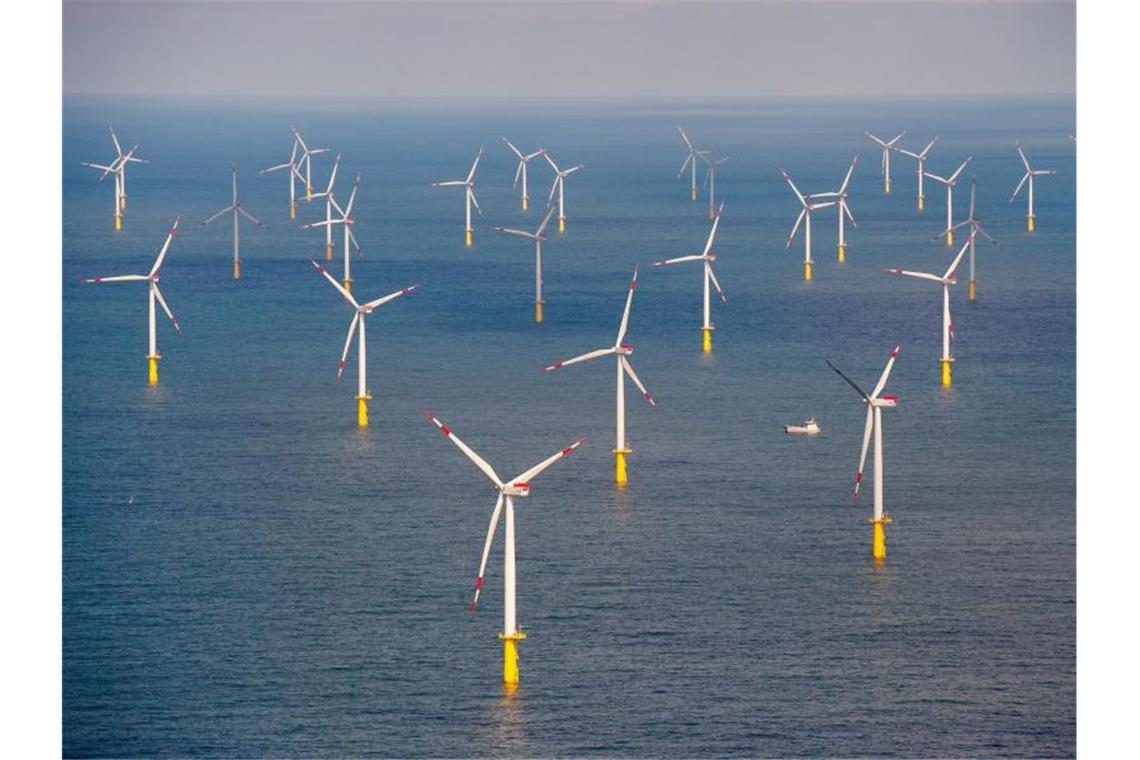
247, 573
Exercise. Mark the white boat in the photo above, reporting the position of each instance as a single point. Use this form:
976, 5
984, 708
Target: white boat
808, 428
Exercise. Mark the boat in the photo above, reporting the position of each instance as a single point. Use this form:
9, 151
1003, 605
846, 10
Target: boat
808, 428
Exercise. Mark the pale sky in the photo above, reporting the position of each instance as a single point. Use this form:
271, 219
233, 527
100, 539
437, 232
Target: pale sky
364, 49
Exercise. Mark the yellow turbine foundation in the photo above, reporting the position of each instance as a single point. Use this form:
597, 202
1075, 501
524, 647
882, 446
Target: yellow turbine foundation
468, 238
949, 238
946, 371
561, 224
308, 193
1029, 222
706, 340
879, 539
842, 253
807, 271
362, 409
348, 284
152, 369
621, 476
887, 186
328, 252
525, 200
694, 193
237, 269
292, 211
118, 222
973, 290
511, 656
538, 312
921, 202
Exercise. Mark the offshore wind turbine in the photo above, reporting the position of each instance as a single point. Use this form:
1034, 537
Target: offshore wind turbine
920, 158
518, 486
347, 221
946, 280
887, 146
524, 159
537, 236
976, 226
1030, 173
950, 182
363, 394
307, 154
844, 209
469, 195
118, 167
690, 162
237, 210
559, 184
153, 294
710, 180
622, 352
808, 205
707, 257
294, 175
874, 424
327, 194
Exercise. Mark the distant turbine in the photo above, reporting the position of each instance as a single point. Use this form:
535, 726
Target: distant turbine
808, 206
524, 159
622, 351
690, 161
560, 176
153, 294
307, 154
920, 158
1030, 173
469, 195
710, 180
346, 219
844, 210
118, 167
294, 175
976, 226
887, 146
236, 208
124, 159
706, 257
327, 194
945, 281
363, 394
950, 182
537, 236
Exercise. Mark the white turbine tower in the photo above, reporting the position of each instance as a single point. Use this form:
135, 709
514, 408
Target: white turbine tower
622, 351
153, 294
327, 194
975, 224
537, 236
560, 176
124, 159
920, 158
307, 154
237, 210
363, 394
946, 280
887, 146
711, 168
808, 205
468, 186
347, 221
874, 424
524, 159
294, 174
518, 486
1030, 173
690, 162
844, 209
118, 167
706, 257
950, 182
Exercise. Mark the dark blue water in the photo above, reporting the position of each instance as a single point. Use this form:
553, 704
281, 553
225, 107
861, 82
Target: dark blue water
285, 584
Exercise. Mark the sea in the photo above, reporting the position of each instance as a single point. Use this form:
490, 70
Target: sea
246, 573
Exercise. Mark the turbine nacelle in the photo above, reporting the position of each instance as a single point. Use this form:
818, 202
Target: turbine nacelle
625, 349
516, 489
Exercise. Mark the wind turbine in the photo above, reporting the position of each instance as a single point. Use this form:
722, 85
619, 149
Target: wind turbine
887, 146
560, 176
710, 180
690, 161
294, 175
524, 159
920, 157
622, 352
238, 210
327, 194
124, 159
1030, 173
707, 257
363, 395
975, 226
875, 406
346, 219
469, 197
537, 236
945, 281
517, 486
844, 210
118, 167
153, 294
307, 154
808, 206
950, 182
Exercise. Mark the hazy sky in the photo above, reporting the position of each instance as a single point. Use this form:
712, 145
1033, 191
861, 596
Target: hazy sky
569, 48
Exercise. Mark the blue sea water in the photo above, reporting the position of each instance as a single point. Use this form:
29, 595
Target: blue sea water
246, 573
